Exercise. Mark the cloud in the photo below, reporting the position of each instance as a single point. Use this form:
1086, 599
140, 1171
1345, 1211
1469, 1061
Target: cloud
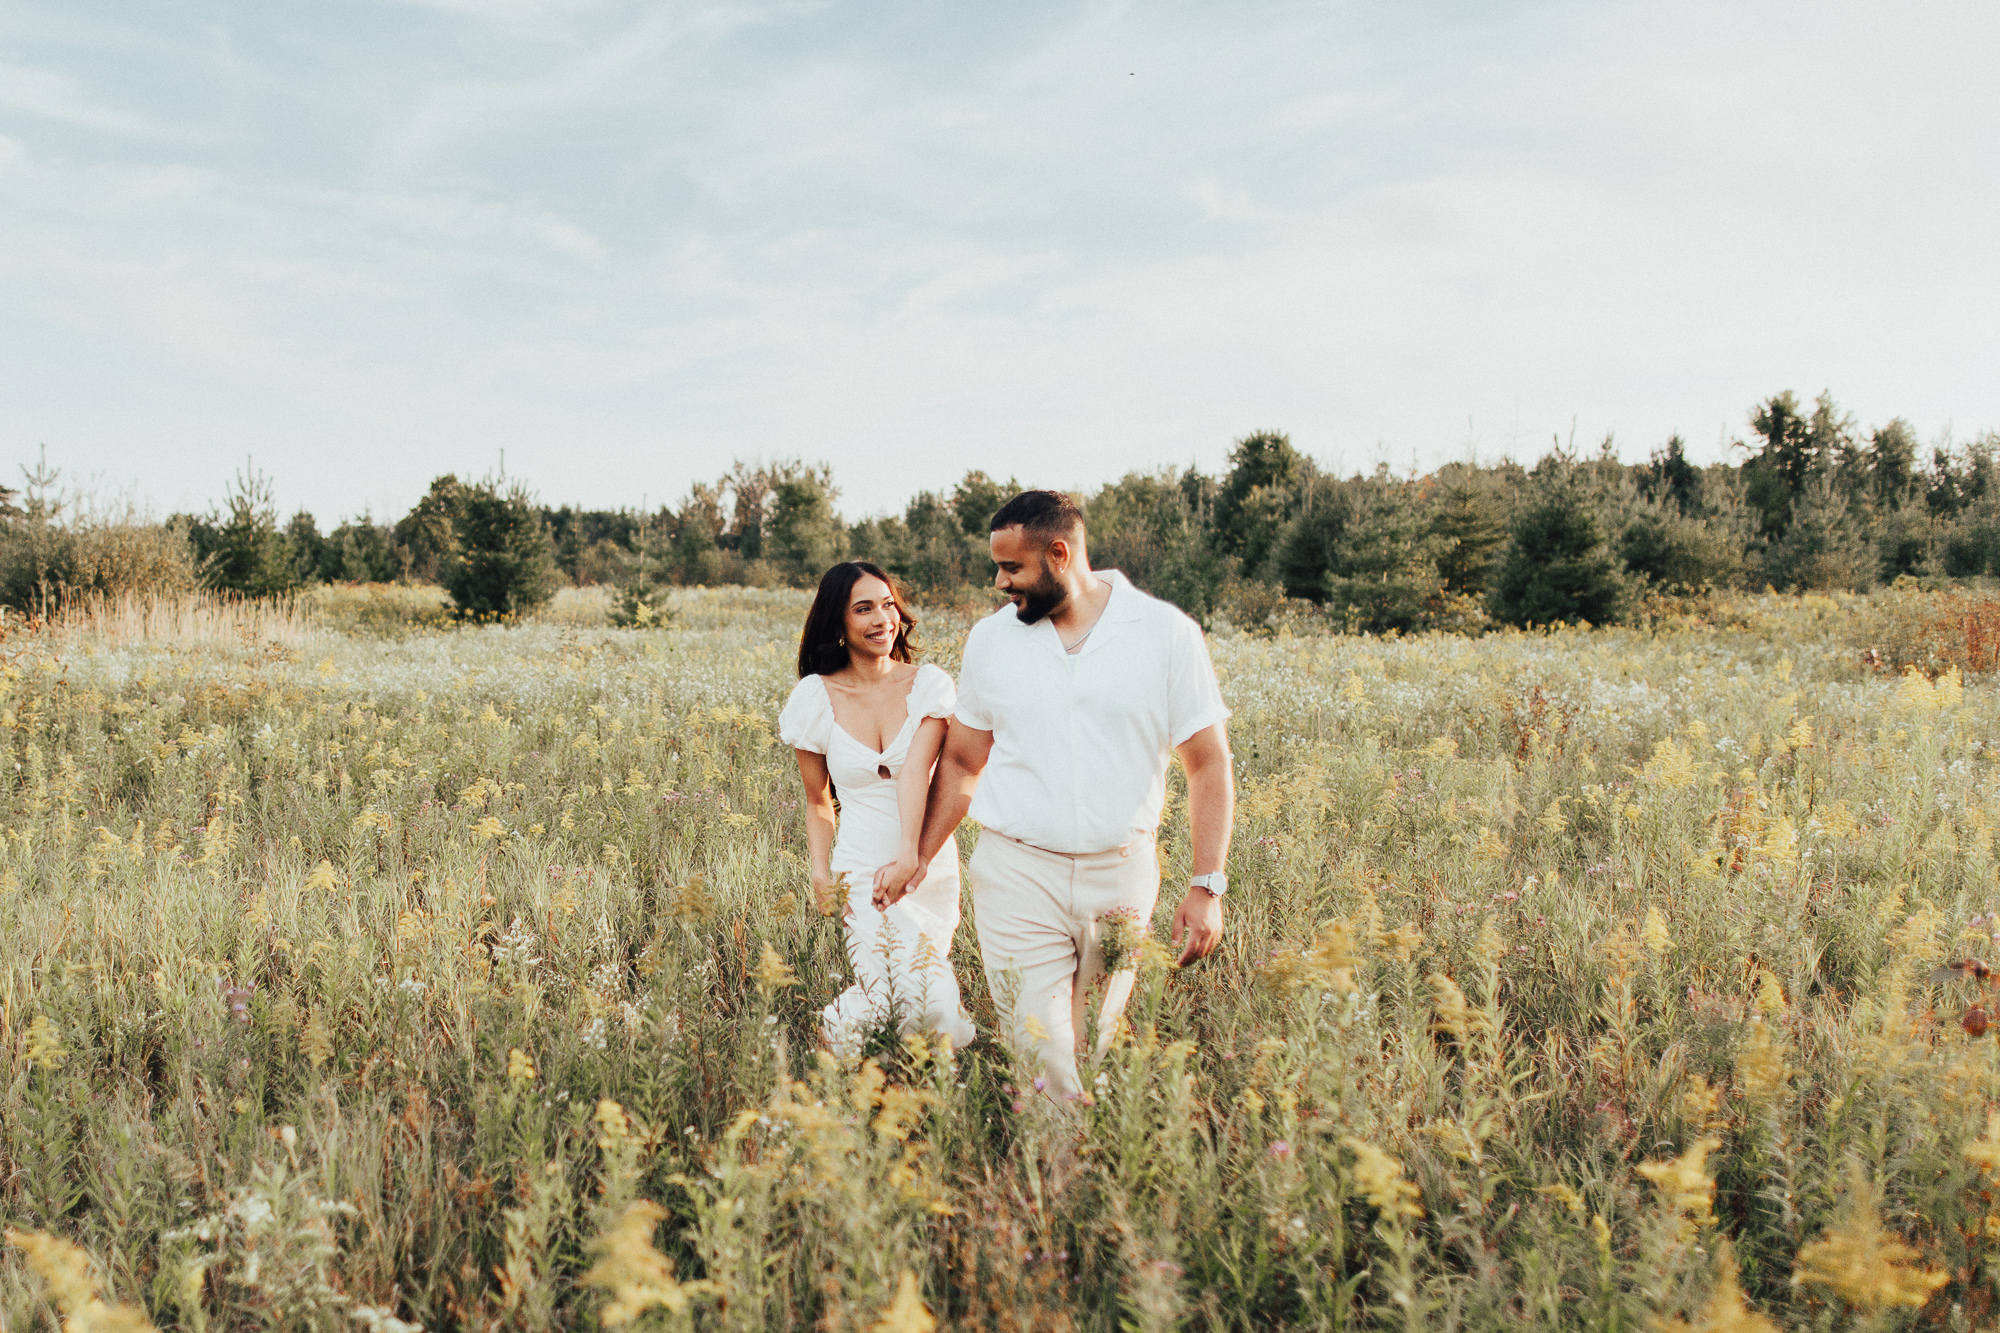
53, 95
628, 242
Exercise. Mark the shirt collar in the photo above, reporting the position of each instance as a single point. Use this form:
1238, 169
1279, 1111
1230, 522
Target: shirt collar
1123, 606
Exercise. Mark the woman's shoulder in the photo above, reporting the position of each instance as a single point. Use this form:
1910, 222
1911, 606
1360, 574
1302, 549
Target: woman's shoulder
802, 721
933, 691
810, 689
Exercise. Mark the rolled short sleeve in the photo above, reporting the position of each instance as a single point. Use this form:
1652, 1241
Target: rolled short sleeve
1194, 700
933, 694
973, 707
806, 723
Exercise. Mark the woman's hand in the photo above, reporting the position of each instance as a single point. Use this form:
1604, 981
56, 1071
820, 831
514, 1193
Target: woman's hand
895, 880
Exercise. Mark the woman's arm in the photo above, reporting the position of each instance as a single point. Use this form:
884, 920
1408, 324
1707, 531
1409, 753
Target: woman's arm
913, 786
819, 827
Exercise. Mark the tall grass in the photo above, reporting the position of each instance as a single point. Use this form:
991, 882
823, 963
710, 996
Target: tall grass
469, 980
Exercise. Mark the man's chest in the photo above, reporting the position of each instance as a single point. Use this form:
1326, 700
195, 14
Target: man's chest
1113, 686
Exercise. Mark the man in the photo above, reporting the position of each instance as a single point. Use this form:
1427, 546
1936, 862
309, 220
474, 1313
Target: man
1070, 704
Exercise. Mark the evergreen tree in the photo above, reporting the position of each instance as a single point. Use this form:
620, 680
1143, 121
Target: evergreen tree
1670, 478
1559, 567
502, 562
1258, 497
1823, 546
242, 549
429, 532
1779, 469
1468, 523
1892, 461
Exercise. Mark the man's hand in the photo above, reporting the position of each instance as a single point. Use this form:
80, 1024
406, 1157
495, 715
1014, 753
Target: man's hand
895, 881
1199, 919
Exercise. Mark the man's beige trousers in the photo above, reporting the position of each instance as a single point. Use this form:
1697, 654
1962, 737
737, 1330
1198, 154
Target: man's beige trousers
1037, 916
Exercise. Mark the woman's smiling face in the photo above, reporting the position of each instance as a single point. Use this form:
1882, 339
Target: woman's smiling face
873, 618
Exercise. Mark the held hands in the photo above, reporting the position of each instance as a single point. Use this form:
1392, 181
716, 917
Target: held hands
896, 880
1199, 920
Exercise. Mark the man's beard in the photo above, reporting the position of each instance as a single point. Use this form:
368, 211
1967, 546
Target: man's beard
1040, 599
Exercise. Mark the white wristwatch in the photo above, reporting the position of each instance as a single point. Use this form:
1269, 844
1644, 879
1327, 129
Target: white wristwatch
1214, 883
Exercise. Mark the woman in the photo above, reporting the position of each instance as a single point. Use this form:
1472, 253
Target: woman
868, 723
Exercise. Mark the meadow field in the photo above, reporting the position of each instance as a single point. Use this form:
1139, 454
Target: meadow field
356, 973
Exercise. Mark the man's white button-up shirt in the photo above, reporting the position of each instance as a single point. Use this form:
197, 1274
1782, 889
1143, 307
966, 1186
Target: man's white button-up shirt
1081, 740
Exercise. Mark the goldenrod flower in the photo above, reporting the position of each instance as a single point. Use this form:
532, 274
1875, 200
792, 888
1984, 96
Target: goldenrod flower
45, 1048
907, 1313
1654, 934
638, 1276
1724, 1311
1683, 1182
1403, 942
520, 1069
1380, 1179
614, 1125
1455, 1017
1761, 1073
315, 1040
72, 1285
772, 973
1670, 767
1984, 1152
1861, 1263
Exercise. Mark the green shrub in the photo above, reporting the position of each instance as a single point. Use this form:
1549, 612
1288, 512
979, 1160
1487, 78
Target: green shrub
502, 562
1559, 568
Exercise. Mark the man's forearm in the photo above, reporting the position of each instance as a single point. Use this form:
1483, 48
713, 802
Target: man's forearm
1211, 812
950, 798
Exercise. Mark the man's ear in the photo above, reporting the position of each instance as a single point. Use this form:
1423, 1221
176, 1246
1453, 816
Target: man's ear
1059, 552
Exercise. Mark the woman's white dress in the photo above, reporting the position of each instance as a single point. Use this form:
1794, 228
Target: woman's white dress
901, 957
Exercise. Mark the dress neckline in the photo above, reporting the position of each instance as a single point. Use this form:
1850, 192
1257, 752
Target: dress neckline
907, 716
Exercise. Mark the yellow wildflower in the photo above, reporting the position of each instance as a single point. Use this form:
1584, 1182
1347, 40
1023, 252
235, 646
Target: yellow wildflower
489, 827
72, 1285
614, 1125
45, 1048
1670, 767
520, 1069
1380, 1178
1984, 1152
1403, 942
1565, 1196
638, 1276
1760, 1065
1724, 1311
1455, 1017
1491, 848
1699, 1101
1861, 1263
907, 1313
1654, 935
1684, 1184
773, 973
315, 1040
1770, 994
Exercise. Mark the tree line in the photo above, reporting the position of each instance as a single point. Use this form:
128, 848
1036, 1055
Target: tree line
1814, 501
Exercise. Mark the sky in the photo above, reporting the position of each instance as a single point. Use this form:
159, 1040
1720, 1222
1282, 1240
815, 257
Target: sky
354, 245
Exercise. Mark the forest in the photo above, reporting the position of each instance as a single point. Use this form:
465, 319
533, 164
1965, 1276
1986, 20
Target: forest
1812, 501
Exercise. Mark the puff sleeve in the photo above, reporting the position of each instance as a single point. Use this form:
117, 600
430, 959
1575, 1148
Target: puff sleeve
806, 723
934, 694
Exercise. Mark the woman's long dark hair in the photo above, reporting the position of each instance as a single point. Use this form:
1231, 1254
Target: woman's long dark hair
821, 650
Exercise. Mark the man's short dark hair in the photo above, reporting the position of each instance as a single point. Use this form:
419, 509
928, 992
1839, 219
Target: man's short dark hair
1042, 515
